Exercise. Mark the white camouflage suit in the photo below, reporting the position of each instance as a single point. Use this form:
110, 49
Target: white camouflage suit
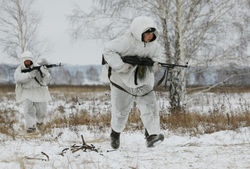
123, 74
33, 94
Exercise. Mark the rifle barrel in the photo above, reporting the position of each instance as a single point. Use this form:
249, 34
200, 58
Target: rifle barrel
171, 65
53, 65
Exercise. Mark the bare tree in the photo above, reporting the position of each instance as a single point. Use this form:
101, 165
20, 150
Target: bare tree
92, 74
18, 28
190, 31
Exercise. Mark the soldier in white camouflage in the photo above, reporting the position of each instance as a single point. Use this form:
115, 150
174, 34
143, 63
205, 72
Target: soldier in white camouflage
133, 83
32, 91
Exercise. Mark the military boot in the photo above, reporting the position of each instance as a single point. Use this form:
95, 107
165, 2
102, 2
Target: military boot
115, 139
153, 139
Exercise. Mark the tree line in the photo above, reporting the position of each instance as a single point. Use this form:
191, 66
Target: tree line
201, 32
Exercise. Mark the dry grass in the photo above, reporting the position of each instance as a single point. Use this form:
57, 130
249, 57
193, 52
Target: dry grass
7, 122
78, 89
99, 121
7, 88
193, 123
196, 123
220, 89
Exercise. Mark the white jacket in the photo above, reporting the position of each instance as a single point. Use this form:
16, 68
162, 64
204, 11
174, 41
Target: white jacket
131, 44
27, 87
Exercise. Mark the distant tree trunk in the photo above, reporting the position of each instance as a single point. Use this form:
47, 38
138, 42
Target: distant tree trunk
177, 83
20, 26
92, 74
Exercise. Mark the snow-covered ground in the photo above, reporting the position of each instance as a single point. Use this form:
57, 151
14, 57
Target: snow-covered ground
224, 149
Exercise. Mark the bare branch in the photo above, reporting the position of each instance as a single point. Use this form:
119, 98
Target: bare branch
19, 27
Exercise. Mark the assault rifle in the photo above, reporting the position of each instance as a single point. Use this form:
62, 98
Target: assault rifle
141, 61
39, 68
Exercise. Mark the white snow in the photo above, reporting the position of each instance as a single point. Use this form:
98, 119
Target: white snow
219, 150
225, 149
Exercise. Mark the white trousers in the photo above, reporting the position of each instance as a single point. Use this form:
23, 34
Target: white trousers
34, 112
122, 103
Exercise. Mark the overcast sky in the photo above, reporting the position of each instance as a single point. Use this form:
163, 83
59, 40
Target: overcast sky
54, 28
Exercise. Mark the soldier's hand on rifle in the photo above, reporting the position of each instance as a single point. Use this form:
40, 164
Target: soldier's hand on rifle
156, 66
125, 68
44, 70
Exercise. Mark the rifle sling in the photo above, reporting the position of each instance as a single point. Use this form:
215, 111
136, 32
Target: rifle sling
38, 81
121, 88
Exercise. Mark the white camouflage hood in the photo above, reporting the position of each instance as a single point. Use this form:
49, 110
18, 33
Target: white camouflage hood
140, 25
27, 55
